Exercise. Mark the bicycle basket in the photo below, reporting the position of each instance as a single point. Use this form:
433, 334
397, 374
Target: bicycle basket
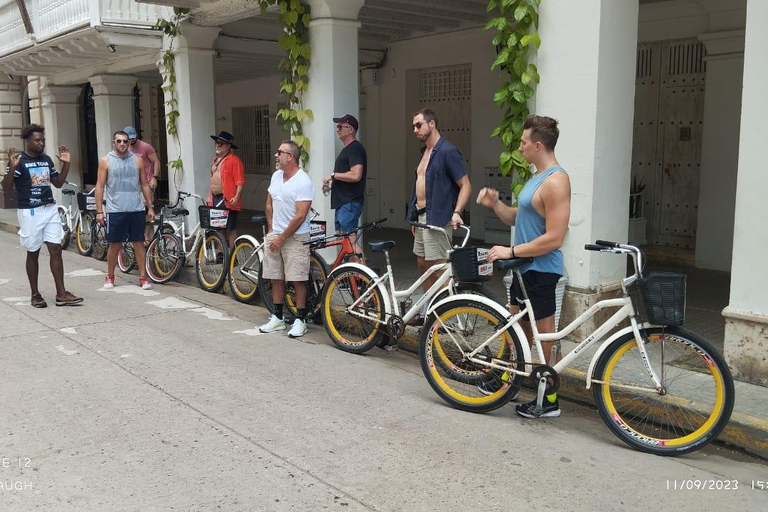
213, 218
86, 202
470, 265
664, 297
317, 231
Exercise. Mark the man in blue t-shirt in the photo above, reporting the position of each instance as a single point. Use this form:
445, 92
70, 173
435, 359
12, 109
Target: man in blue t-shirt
32, 173
541, 221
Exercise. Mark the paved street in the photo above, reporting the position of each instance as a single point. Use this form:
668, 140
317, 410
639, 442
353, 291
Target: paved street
170, 400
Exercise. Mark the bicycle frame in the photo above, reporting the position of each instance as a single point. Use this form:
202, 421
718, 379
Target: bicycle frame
626, 310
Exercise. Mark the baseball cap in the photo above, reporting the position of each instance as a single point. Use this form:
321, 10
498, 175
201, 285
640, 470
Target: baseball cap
131, 131
349, 119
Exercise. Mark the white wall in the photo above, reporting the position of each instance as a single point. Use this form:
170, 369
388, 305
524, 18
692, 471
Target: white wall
250, 93
394, 120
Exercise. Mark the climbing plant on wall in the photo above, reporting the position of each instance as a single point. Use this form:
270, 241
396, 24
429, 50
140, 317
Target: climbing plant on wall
516, 22
168, 70
294, 17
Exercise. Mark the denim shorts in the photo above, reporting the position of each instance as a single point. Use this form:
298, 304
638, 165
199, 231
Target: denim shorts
348, 216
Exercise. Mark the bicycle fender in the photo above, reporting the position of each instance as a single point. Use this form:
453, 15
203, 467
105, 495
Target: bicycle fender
371, 274
249, 238
503, 312
623, 332
174, 225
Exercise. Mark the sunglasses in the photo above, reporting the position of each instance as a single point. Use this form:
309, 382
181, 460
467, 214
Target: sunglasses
340, 127
220, 143
121, 141
417, 126
281, 152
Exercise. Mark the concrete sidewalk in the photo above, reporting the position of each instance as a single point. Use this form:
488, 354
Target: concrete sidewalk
747, 429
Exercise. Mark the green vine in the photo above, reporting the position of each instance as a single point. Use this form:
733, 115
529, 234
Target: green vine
172, 30
516, 23
294, 17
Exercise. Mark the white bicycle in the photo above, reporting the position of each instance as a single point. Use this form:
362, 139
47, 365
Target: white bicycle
77, 218
659, 388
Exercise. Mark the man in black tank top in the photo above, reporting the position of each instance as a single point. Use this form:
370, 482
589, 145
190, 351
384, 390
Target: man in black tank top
32, 173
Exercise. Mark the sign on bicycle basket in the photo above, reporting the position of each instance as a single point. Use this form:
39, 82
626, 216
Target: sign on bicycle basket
215, 218
470, 264
316, 230
86, 202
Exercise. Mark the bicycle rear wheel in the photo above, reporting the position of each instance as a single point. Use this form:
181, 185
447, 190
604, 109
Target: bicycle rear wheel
361, 329
243, 287
692, 408
451, 333
318, 270
99, 241
126, 258
84, 234
65, 226
165, 257
212, 261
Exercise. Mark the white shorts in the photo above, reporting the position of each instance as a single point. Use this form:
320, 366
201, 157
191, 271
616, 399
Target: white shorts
38, 225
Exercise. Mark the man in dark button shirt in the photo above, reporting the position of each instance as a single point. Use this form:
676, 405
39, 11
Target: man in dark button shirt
347, 181
33, 172
440, 193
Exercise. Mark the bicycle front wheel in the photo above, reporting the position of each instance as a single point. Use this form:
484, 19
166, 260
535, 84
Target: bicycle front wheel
212, 261
691, 408
65, 226
165, 257
318, 270
243, 287
84, 234
451, 333
265, 290
352, 329
99, 241
126, 258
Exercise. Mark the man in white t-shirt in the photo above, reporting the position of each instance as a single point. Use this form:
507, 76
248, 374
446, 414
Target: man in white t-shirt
289, 199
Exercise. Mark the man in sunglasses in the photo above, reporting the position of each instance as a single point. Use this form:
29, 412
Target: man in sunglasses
121, 181
440, 193
347, 181
227, 181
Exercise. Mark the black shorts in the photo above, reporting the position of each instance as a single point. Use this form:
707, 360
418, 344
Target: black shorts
232, 217
125, 226
540, 287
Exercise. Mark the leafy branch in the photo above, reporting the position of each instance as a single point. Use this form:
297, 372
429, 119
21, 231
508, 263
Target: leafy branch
294, 17
516, 22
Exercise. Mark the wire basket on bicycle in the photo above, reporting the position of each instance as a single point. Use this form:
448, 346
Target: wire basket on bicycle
470, 265
212, 218
663, 296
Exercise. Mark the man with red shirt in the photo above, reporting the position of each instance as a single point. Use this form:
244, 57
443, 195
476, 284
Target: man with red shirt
227, 181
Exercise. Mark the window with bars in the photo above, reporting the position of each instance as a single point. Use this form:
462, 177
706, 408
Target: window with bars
445, 83
250, 126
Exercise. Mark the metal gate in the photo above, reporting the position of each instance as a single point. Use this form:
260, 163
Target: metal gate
666, 154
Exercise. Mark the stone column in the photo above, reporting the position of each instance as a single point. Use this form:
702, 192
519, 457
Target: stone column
61, 116
195, 94
333, 87
746, 317
10, 127
719, 148
113, 103
35, 108
589, 88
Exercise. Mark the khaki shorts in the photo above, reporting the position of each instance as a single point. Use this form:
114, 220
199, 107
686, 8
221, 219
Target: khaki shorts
429, 244
291, 263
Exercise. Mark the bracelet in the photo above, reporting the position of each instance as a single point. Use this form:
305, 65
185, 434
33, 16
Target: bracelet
513, 252
99, 213
458, 213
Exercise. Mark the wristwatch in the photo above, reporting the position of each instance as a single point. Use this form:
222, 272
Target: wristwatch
333, 174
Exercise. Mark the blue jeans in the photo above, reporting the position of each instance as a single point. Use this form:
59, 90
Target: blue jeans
348, 216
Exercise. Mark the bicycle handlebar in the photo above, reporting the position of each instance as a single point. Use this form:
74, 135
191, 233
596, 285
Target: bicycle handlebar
319, 244
618, 248
465, 227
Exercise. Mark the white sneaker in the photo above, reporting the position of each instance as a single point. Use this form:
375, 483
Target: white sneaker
109, 282
274, 324
145, 284
299, 329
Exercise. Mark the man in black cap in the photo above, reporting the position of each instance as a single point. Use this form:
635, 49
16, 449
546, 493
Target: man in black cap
227, 181
347, 181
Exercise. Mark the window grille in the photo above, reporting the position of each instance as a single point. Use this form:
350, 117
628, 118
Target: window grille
250, 126
445, 83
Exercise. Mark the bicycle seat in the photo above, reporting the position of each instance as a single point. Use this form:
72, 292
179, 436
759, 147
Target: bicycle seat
260, 220
68, 192
381, 246
512, 264
177, 212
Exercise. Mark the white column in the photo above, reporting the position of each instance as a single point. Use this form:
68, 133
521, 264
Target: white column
589, 87
61, 119
746, 317
333, 87
33, 90
113, 103
196, 105
10, 125
719, 149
